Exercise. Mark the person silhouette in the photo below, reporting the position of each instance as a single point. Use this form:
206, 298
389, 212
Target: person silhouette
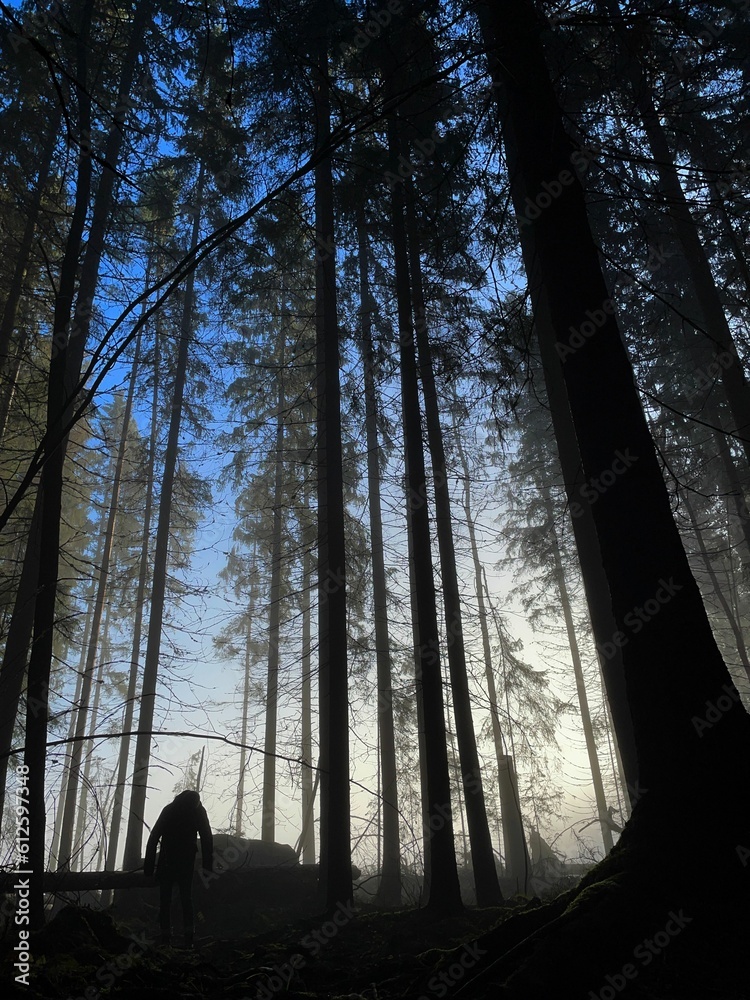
176, 829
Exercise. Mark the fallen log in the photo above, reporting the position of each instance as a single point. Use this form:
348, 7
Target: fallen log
67, 881
81, 881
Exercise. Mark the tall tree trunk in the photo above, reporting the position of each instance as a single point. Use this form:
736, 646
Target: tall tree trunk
17, 642
70, 333
10, 359
307, 843
199, 776
596, 585
424, 786
49, 496
335, 823
623, 803
702, 400
136, 818
726, 607
514, 839
99, 603
11, 377
672, 666
105, 815
240, 806
57, 828
455, 767
482, 857
135, 649
712, 414
594, 579
671, 661
704, 285
735, 490
702, 140
268, 816
104, 199
575, 656
389, 887
731, 576
82, 811
444, 891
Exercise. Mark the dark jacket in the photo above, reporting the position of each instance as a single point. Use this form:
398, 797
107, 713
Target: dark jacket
176, 828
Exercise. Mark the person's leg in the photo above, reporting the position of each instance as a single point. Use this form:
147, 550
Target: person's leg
165, 905
186, 898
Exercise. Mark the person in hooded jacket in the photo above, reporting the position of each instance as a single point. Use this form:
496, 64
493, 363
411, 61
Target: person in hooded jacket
176, 830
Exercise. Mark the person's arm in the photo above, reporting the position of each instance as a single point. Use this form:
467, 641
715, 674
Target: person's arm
153, 840
207, 840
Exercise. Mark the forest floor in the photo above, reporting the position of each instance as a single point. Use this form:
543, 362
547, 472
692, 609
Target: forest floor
365, 955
